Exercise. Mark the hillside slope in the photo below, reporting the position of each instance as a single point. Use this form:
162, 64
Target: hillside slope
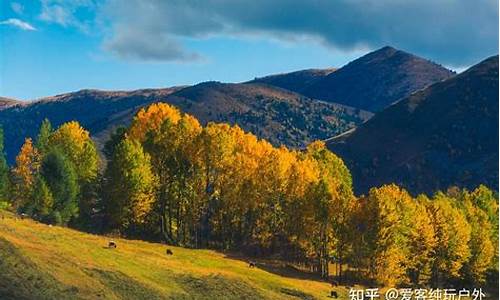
100, 111
296, 81
42, 262
376, 80
278, 115
444, 135
8, 102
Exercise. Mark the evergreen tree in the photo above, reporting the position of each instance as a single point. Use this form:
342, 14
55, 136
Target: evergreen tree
76, 145
43, 138
42, 200
60, 176
4, 171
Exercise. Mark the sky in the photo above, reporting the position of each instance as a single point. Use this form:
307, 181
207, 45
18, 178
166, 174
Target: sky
48, 47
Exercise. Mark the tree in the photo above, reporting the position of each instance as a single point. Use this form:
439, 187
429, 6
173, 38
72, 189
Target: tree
60, 176
171, 149
152, 119
43, 139
114, 140
487, 201
130, 186
422, 242
43, 201
384, 243
453, 234
480, 244
75, 144
479, 207
340, 199
4, 171
24, 173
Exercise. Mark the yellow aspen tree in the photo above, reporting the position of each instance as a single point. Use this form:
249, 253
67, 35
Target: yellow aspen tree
453, 234
75, 143
24, 173
151, 119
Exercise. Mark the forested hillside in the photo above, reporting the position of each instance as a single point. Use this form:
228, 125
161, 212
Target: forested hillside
442, 136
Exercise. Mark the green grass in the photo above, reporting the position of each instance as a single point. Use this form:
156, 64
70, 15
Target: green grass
42, 262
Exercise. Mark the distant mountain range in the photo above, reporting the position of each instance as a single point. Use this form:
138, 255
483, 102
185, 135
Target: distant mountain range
371, 82
100, 111
441, 136
7, 102
280, 116
432, 128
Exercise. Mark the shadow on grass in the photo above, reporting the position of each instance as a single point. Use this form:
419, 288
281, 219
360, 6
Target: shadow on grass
277, 267
20, 278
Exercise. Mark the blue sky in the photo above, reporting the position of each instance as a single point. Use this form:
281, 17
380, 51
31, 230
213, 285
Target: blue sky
54, 46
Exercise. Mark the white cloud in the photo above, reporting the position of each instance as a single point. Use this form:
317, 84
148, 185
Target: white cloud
64, 12
18, 24
141, 46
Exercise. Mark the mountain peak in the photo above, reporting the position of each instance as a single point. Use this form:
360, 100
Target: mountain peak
386, 50
378, 79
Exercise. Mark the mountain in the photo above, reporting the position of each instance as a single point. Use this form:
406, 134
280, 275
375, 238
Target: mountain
281, 116
371, 82
296, 81
100, 111
444, 135
7, 102
278, 115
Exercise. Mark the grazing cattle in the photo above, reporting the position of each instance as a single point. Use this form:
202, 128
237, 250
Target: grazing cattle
23, 215
169, 252
251, 264
334, 294
111, 244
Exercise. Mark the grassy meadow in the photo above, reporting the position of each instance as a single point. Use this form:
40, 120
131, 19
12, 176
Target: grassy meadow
49, 262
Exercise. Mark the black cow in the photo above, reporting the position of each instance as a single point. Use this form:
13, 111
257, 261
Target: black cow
251, 264
111, 244
334, 294
169, 252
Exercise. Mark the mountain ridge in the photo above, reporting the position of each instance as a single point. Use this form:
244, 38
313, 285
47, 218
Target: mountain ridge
444, 135
279, 115
370, 82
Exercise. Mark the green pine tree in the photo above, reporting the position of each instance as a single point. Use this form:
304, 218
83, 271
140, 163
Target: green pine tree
4, 171
42, 141
62, 181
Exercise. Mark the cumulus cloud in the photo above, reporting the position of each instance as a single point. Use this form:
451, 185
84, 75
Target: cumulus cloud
147, 46
18, 24
452, 32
